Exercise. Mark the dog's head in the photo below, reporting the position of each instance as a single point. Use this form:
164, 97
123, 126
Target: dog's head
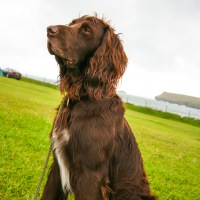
90, 56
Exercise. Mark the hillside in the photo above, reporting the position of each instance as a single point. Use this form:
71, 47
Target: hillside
179, 99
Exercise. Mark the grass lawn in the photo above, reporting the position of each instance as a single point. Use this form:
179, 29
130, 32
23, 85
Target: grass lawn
170, 149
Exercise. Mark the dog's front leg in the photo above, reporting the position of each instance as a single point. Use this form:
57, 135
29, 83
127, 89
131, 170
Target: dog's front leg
53, 188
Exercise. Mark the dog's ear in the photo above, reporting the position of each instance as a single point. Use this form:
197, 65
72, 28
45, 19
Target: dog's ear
106, 67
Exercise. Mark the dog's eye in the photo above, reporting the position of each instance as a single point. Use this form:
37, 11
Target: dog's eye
87, 30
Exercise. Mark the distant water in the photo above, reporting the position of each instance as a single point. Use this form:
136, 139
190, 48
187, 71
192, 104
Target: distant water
181, 110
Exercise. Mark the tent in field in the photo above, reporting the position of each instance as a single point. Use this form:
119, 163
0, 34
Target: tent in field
1, 73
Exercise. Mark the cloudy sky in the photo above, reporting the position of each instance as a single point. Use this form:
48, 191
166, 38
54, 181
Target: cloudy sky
161, 39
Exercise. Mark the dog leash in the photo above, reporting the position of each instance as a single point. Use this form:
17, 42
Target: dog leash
43, 172
48, 153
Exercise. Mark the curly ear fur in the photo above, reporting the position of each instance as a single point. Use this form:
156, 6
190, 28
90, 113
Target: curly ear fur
106, 67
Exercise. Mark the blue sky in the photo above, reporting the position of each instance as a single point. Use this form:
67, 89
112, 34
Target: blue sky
161, 39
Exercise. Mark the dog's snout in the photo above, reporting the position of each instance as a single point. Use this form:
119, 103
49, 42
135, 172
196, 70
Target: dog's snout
52, 30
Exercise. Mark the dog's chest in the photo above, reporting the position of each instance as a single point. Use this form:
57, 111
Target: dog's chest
60, 140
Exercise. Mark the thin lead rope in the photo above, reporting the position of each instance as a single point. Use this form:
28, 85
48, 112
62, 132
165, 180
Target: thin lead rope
43, 172
48, 154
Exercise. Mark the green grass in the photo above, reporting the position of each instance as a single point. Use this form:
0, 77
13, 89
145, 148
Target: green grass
165, 115
29, 80
170, 148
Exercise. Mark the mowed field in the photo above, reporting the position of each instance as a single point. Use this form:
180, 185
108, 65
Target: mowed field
170, 149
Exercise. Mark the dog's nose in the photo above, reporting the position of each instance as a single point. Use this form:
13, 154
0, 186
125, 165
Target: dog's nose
52, 30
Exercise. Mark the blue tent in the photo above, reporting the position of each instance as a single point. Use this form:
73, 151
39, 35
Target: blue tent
1, 73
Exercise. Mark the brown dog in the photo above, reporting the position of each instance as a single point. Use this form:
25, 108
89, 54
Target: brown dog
96, 156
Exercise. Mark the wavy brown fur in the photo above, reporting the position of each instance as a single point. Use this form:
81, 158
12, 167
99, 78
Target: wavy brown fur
95, 153
106, 67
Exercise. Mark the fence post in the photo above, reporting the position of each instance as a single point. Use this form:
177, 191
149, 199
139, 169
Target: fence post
189, 113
